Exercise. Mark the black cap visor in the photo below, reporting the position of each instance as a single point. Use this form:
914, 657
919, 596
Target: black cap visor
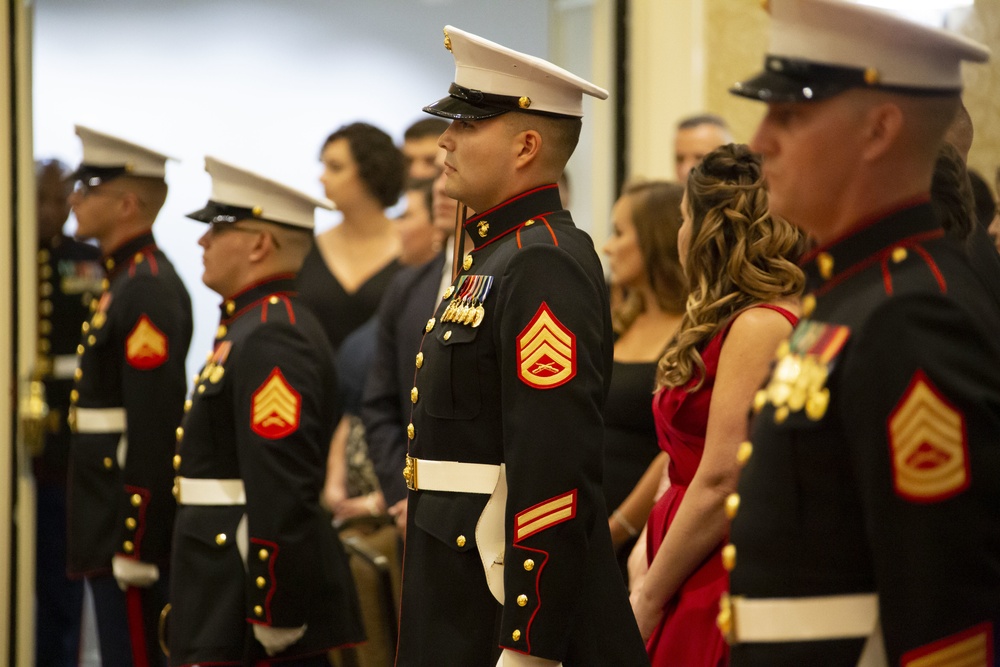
467, 104
796, 80
214, 212
94, 176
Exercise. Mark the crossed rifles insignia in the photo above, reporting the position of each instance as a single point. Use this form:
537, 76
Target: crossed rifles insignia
546, 351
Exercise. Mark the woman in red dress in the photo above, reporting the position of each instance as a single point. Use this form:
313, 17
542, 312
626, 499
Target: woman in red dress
740, 265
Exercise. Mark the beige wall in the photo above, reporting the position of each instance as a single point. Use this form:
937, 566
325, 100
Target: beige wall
734, 42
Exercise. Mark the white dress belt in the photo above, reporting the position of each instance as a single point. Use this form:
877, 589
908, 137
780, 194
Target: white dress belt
97, 420
193, 491
804, 619
63, 366
451, 476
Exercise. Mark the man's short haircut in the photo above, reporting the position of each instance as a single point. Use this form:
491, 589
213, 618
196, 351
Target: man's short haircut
560, 133
425, 127
151, 191
703, 119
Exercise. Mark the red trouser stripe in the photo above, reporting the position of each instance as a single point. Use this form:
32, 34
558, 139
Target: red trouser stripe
136, 627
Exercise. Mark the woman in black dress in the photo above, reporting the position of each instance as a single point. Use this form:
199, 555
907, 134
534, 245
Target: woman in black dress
642, 256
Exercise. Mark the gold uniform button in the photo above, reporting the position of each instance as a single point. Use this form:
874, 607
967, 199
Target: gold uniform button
414, 395
781, 414
138, 258
262, 554
759, 400
732, 505
273, 300
176, 491
220, 539
221, 331
744, 452
420, 359
136, 500
45, 289
180, 433
729, 557
430, 325
85, 327
824, 261
230, 307
460, 541
447, 293
80, 349
177, 461
128, 546
108, 463
467, 262
808, 305
130, 523
410, 431
78, 373
725, 618
522, 600
105, 284
258, 610
899, 254
43, 256
529, 223
529, 565
91, 340
187, 405
44, 327
261, 582
447, 335
201, 389
74, 396
516, 635
44, 345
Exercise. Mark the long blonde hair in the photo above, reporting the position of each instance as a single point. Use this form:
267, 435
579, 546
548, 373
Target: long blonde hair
739, 255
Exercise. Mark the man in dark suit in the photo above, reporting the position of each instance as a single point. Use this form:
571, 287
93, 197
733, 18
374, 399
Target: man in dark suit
258, 571
410, 300
868, 514
508, 555
126, 400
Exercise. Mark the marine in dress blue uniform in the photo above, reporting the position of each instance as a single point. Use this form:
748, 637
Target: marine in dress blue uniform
508, 553
69, 276
258, 570
868, 512
126, 400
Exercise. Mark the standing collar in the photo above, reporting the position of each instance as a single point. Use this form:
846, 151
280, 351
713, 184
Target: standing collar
281, 284
910, 223
120, 257
497, 221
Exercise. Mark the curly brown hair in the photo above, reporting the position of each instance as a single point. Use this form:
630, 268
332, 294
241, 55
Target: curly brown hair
739, 255
656, 215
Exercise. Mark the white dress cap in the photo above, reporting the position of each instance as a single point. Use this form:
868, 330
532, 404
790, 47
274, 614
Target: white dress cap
106, 156
240, 194
819, 48
491, 79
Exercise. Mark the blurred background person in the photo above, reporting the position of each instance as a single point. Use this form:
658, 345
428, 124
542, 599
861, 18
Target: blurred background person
352, 488
351, 264
69, 276
644, 265
995, 224
696, 137
740, 265
408, 303
420, 147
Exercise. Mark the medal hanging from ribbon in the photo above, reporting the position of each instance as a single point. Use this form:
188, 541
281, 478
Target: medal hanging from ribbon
467, 305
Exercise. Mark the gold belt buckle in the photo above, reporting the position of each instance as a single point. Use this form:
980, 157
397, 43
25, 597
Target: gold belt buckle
410, 473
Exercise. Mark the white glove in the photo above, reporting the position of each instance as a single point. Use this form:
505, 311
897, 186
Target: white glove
276, 640
514, 659
132, 572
